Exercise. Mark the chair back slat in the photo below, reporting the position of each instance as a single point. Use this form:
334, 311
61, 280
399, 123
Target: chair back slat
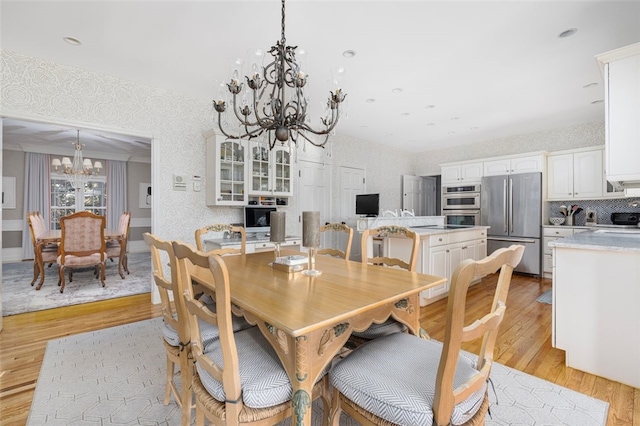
335, 229
486, 327
392, 232
229, 372
222, 227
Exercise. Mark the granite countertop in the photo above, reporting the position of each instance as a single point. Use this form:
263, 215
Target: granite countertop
434, 230
250, 239
603, 239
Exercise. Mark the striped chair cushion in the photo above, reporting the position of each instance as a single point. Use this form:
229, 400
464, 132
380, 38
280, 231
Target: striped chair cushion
375, 331
209, 332
264, 381
394, 378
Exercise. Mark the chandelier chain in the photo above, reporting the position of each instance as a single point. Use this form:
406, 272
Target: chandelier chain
283, 38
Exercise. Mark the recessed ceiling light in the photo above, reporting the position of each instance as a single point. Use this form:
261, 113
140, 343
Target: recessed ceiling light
405, 114
431, 124
370, 100
599, 101
568, 33
475, 128
452, 133
73, 41
455, 118
430, 106
349, 53
397, 90
589, 85
364, 126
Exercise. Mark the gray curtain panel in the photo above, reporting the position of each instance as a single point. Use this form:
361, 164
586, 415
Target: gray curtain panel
37, 188
116, 192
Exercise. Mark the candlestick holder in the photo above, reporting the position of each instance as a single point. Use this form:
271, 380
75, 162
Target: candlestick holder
311, 265
311, 240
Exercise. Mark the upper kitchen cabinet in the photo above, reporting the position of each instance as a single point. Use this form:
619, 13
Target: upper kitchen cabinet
226, 161
462, 173
512, 166
271, 170
575, 175
621, 70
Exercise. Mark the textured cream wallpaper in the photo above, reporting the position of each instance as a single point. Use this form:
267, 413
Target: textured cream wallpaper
580, 136
49, 91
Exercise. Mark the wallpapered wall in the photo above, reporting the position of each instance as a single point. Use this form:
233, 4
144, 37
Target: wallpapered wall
44, 90
579, 136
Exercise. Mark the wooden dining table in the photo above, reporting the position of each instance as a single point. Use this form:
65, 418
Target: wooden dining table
55, 236
308, 320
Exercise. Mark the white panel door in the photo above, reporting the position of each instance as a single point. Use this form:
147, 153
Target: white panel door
314, 191
412, 194
352, 183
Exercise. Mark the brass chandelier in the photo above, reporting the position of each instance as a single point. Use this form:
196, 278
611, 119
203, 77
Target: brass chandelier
278, 105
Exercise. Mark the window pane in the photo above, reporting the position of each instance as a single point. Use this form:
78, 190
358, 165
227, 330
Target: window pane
65, 202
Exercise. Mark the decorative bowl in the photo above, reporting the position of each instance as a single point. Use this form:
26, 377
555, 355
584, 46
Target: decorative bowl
556, 220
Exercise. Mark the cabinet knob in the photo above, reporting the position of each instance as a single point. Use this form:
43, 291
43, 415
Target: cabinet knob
447, 251
439, 239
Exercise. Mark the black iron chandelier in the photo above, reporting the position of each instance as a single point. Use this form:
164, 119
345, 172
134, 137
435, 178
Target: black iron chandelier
278, 105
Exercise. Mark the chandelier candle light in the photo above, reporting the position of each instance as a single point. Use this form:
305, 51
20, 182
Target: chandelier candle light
311, 240
78, 171
276, 103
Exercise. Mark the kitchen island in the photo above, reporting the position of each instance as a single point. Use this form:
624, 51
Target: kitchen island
596, 291
442, 247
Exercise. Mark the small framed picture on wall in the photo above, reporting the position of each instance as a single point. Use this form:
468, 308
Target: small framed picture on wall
145, 196
8, 192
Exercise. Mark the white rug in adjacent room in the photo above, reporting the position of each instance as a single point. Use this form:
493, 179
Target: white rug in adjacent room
18, 296
116, 376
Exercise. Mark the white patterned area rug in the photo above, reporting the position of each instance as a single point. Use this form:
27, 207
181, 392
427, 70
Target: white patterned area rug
116, 376
18, 296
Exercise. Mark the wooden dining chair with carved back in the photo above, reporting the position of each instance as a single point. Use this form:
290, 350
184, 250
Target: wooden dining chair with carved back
43, 253
82, 245
432, 383
226, 229
117, 249
334, 232
229, 388
407, 245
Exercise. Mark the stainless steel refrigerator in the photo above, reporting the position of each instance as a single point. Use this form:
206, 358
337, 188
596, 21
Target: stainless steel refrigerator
512, 205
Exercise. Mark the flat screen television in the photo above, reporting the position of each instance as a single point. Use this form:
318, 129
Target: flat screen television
368, 204
257, 219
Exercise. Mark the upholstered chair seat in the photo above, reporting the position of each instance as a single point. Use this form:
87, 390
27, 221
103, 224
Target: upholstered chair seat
402, 392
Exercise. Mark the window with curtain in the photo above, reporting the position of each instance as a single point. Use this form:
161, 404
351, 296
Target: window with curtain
65, 200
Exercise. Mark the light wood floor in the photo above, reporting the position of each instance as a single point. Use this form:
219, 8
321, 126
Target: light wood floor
524, 343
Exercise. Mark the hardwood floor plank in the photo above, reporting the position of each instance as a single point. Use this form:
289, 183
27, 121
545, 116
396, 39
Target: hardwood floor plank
524, 342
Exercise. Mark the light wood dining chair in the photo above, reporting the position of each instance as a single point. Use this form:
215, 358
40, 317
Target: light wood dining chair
409, 262
117, 249
82, 245
42, 252
218, 228
229, 388
407, 380
335, 229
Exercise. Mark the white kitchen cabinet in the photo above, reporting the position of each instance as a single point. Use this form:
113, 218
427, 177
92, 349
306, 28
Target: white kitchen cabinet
226, 171
622, 113
552, 233
510, 166
270, 170
576, 175
461, 173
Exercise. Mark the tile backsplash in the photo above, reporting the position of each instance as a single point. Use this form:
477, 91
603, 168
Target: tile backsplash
603, 209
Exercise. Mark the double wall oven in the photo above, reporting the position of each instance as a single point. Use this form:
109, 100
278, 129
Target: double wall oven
461, 204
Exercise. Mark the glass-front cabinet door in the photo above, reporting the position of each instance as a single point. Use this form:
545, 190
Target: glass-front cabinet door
260, 169
282, 171
227, 165
270, 170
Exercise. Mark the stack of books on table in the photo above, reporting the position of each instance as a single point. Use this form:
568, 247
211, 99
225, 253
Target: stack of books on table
294, 263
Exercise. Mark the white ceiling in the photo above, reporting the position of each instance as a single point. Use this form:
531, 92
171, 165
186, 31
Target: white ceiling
489, 69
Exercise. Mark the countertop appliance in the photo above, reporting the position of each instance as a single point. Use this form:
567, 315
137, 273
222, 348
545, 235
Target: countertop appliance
625, 218
512, 207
